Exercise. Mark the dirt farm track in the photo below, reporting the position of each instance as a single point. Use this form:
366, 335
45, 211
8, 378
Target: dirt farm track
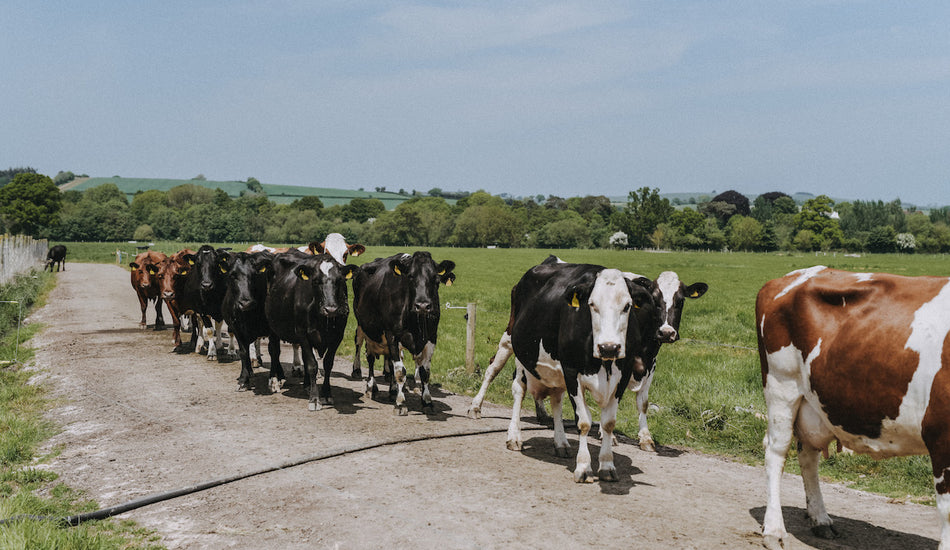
139, 420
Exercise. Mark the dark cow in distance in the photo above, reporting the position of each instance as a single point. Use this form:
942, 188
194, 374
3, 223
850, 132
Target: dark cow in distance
145, 282
863, 358
56, 256
306, 304
396, 303
581, 329
243, 305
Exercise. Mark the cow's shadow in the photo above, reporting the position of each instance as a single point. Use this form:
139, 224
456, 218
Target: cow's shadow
345, 400
852, 533
541, 447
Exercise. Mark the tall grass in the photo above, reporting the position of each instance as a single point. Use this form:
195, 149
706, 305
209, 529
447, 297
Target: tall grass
707, 392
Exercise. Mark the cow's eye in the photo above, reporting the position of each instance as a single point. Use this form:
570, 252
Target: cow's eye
626, 308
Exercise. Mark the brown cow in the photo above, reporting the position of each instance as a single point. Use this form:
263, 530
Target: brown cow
171, 280
145, 284
863, 358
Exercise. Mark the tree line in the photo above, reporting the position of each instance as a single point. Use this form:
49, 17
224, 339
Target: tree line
30, 203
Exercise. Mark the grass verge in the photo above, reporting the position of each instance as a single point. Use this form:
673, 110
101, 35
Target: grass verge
26, 486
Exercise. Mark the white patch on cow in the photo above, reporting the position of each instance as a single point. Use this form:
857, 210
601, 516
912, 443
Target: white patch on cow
863, 277
630, 276
608, 301
260, 248
325, 268
560, 261
803, 276
669, 284
943, 507
335, 245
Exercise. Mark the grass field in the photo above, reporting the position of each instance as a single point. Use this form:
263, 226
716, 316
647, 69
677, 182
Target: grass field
707, 391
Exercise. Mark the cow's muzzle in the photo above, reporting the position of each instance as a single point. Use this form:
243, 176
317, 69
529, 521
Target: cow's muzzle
667, 335
609, 351
422, 308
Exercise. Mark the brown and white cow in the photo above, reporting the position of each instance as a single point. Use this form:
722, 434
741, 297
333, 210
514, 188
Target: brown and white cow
145, 283
859, 357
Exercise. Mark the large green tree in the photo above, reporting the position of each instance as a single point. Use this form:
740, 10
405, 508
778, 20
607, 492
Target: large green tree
30, 204
645, 210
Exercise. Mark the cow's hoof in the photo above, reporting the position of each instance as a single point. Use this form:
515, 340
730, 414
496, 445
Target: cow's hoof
825, 531
514, 445
328, 401
609, 474
275, 384
357, 374
401, 410
475, 413
562, 452
242, 386
583, 476
647, 445
314, 406
204, 349
772, 542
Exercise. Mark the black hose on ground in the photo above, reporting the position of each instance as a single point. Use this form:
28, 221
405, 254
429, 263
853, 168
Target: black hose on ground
168, 495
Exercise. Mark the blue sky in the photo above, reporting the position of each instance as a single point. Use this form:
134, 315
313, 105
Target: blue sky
845, 98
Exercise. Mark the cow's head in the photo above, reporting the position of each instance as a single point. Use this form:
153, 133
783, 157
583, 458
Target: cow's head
144, 274
606, 295
172, 271
207, 267
328, 279
246, 277
422, 277
670, 294
335, 245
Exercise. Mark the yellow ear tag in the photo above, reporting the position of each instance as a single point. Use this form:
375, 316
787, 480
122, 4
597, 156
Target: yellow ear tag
349, 275
448, 283
183, 272
694, 294
304, 276
222, 269
396, 270
263, 269
441, 273
575, 302
191, 262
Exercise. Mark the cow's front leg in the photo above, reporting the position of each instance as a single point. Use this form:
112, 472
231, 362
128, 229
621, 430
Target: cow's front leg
371, 390
562, 447
310, 365
423, 361
357, 372
254, 351
143, 304
326, 397
276, 381
244, 379
159, 320
299, 366
397, 388
606, 470
782, 401
583, 472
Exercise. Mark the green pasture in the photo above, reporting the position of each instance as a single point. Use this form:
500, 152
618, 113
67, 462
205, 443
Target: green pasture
707, 393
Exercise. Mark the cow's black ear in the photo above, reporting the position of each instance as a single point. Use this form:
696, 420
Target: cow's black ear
190, 259
696, 290
316, 248
397, 267
448, 279
304, 272
133, 265
642, 281
151, 269
349, 271
356, 249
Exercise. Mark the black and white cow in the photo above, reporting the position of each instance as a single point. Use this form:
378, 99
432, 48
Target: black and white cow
396, 302
307, 305
243, 304
669, 294
203, 291
579, 328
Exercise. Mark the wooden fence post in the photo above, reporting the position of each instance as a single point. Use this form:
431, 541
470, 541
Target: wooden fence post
470, 338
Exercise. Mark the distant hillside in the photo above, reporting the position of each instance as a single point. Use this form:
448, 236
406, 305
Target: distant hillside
280, 194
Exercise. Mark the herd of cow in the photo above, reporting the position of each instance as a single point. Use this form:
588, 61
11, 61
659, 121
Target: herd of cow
861, 358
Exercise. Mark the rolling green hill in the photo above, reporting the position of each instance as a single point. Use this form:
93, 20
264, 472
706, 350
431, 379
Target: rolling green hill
280, 194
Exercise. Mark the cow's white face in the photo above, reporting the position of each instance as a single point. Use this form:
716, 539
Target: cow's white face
610, 305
